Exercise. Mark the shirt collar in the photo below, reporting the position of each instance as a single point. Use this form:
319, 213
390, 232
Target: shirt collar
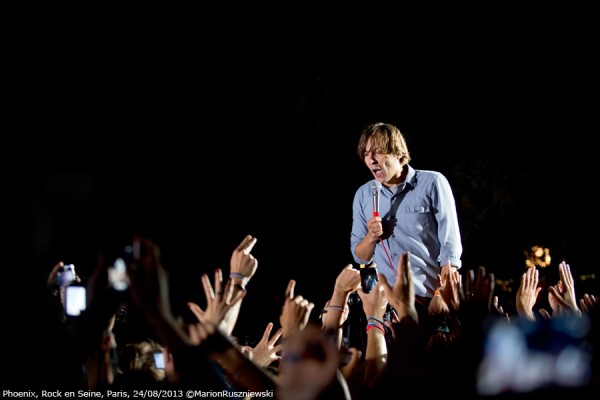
409, 182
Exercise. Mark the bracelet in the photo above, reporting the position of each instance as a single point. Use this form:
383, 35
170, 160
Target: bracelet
436, 293
341, 308
375, 326
374, 318
243, 277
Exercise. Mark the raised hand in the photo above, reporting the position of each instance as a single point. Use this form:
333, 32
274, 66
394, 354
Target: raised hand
336, 310
528, 293
478, 293
242, 264
295, 313
450, 289
498, 310
265, 351
588, 302
347, 281
375, 302
149, 280
566, 299
402, 295
218, 301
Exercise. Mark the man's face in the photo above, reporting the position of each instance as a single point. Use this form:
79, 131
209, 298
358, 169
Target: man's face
385, 167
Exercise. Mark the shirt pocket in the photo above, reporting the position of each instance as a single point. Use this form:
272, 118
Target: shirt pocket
417, 218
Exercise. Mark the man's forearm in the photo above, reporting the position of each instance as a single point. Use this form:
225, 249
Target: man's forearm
366, 248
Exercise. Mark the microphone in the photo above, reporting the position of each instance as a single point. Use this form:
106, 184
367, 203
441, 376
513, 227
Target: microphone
375, 188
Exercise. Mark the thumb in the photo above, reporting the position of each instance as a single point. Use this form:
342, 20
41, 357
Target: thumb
384, 281
247, 350
196, 310
387, 289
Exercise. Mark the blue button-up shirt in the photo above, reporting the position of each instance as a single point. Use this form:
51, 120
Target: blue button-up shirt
419, 216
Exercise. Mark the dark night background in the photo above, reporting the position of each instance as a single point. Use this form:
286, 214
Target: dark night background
197, 137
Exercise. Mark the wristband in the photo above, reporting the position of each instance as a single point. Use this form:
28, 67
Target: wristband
375, 326
244, 278
341, 308
344, 309
374, 318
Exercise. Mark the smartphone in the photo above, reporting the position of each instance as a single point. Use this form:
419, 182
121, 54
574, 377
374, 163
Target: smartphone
368, 278
117, 275
66, 275
159, 359
75, 301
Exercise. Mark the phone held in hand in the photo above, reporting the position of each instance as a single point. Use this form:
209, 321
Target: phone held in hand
117, 272
66, 275
75, 300
117, 275
368, 278
159, 360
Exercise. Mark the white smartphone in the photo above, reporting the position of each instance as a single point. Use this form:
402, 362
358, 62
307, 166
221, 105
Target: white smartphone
75, 301
117, 275
66, 275
159, 360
